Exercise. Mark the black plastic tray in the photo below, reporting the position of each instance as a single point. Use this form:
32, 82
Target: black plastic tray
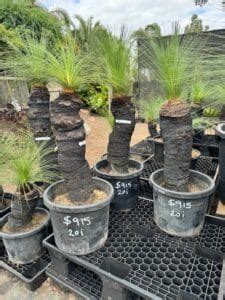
140, 258
32, 274
80, 280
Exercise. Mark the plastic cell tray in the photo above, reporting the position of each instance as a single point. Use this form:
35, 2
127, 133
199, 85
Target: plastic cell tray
32, 274
142, 259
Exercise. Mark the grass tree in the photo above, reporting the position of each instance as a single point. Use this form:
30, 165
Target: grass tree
71, 69
117, 73
22, 164
172, 62
29, 62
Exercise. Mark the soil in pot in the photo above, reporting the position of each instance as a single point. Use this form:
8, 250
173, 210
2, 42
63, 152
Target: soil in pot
181, 213
37, 220
96, 197
126, 186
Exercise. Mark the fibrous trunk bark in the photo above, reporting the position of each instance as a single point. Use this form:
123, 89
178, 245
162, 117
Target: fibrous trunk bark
38, 114
22, 208
70, 136
176, 130
39, 119
119, 140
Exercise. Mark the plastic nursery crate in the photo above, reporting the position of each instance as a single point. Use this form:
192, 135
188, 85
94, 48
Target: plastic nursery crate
78, 279
139, 258
32, 274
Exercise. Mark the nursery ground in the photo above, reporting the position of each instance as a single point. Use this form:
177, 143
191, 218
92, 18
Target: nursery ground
98, 131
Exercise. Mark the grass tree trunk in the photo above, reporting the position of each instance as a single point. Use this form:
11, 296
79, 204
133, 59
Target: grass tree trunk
70, 138
22, 207
119, 140
39, 119
176, 129
39, 116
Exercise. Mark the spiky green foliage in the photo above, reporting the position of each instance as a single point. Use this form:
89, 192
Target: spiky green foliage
200, 91
172, 61
116, 63
22, 162
29, 60
68, 66
149, 109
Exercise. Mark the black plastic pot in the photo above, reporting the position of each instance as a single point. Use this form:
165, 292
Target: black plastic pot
177, 213
83, 229
126, 186
25, 247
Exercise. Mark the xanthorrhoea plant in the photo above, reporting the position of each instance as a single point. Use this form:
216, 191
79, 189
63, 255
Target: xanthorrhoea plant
117, 73
29, 62
172, 61
22, 164
71, 69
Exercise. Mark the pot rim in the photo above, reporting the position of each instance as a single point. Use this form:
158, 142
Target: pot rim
17, 235
120, 176
183, 195
81, 208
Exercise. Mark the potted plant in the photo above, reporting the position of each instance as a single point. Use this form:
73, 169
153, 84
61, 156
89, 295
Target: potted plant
180, 194
24, 227
79, 204
115, 62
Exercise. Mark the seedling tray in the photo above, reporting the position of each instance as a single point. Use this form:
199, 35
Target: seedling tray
32, 274
139, 258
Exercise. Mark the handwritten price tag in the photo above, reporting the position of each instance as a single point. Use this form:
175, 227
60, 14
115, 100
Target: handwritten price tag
79, 223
